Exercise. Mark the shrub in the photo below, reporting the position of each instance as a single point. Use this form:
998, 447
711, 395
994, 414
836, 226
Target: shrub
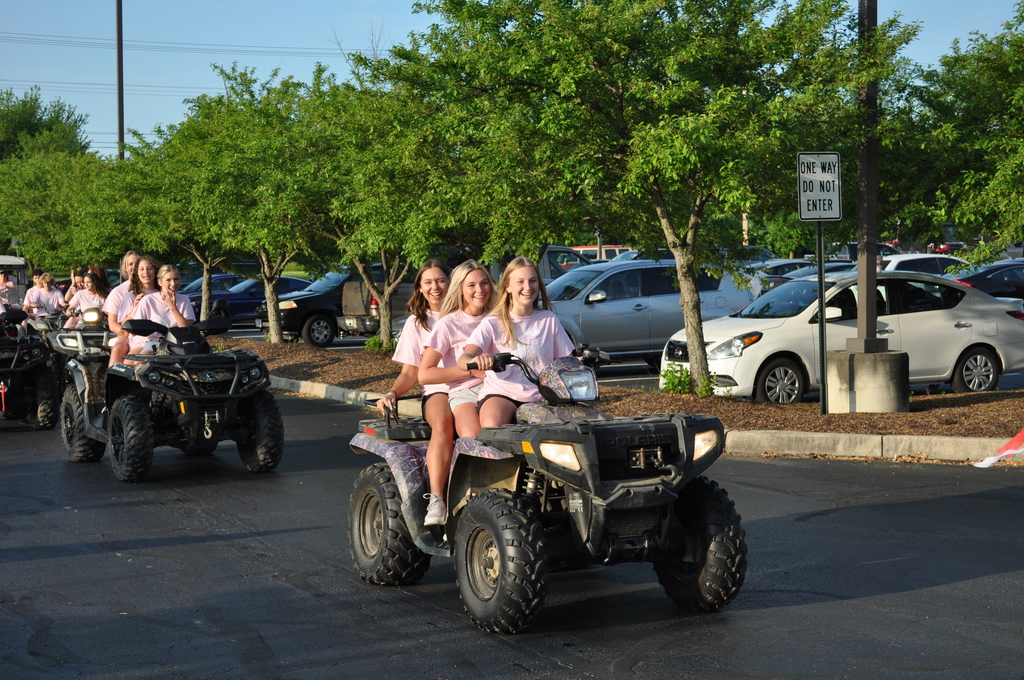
679, 381
375, 344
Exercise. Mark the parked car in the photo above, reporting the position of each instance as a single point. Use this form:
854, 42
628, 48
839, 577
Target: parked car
593, 253
1004, 278
190, 271
776, 271
751, 254
829, 266
949, 247
336, 303
631, 308
848, 251
951, 333
242, 299
927, 263
218, 283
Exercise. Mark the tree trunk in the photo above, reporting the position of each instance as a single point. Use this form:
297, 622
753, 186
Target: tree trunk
271, 272
393, 276
682, 250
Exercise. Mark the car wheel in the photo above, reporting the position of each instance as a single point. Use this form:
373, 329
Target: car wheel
976, 371
780, 382
319, 331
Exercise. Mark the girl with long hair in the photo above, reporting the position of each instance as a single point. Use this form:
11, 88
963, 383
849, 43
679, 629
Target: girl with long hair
521, 323
112, 306
141, 284
167, 307
469, 299
92, 296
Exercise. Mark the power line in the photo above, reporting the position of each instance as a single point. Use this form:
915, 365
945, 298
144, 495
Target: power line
159, 46
183, 89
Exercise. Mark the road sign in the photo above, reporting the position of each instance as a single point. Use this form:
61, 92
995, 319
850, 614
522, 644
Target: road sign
818, 187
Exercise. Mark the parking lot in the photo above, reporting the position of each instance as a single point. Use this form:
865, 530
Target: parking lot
866, 570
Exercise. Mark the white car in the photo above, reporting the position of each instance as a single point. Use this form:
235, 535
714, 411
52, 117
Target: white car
629, 308
928, 263
951, 333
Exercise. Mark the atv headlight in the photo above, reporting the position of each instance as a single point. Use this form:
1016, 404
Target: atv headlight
153, 377
35, 352
287, 304
730, 349
71, 343
255, 372
704, 442
582, 385
110, 343
92, 316
560, 453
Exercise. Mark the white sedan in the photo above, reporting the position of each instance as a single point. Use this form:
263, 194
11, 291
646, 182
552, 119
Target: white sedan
951, 333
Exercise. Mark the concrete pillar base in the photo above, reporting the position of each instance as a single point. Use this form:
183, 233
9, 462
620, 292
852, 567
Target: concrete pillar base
859, 382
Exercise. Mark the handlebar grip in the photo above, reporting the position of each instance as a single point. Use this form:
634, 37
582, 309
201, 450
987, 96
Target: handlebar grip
471, 366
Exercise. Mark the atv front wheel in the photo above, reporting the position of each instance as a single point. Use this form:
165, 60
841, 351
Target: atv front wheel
500, 561
382, 548
47, 399
78, 447
130, 439
716, 563
261, 451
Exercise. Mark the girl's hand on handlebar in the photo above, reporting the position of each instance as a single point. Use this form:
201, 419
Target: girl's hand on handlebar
388, 403
483, 362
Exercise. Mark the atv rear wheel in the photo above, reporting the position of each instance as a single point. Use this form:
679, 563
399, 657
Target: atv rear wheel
78, 447
261, 451
382, 548
717, 552
500, 562
130, 439
47, 399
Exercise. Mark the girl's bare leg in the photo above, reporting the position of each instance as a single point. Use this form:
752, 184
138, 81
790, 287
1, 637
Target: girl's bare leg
442, 441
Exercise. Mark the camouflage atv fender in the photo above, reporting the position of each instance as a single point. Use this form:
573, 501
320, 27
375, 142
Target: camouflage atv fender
407, 460
477, 466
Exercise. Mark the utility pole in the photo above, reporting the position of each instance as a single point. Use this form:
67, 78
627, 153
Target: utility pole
120, 84
867, 200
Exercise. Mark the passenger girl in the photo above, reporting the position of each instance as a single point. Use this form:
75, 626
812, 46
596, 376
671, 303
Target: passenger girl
522, 324
43, 298
167, 307
113, 304
469, 299
76, 284
424, 307
92, 296
141, 284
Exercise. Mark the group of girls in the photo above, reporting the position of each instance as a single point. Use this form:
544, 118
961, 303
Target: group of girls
88, 289
468, 321
149, 292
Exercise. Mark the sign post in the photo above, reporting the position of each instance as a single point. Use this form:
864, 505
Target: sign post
819, 199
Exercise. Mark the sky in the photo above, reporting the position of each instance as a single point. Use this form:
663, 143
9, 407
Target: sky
66, 47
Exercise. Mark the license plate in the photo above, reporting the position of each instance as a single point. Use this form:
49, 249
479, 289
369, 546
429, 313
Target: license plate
259, 323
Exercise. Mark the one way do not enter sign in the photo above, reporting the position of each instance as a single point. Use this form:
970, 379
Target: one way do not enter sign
818, 187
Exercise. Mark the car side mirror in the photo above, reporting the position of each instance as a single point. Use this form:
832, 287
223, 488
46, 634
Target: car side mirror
596, 296
832, 313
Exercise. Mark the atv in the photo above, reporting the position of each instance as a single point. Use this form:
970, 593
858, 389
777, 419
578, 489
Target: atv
184, 396
28, 386
565, 487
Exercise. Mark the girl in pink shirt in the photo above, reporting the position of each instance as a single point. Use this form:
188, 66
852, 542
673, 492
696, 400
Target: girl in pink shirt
143, 283
522, 324
43, 299
92, 296
469, 298
167, 307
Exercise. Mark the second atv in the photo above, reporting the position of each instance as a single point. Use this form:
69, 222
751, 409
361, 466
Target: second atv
28, 385
566, 486
185, 396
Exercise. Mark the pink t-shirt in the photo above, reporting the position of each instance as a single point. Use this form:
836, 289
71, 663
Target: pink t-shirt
125, 307
113, 303
449, 340
83, 299
153, 308
410, 347
541, 340
50, 301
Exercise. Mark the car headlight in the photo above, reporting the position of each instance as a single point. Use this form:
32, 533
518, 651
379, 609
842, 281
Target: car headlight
287, 304
704, 443
733, 348
561, 454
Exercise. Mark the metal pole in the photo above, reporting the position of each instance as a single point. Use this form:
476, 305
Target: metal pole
822, 390
120, 85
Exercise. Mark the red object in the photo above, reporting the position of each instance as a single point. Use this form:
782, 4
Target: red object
3, 397
374, 306
1017, 315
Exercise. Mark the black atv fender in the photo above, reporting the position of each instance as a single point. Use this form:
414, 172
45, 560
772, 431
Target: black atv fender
92, 402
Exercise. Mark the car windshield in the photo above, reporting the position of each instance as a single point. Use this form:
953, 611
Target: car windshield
244, 286
571, 284
194, 287
787, 300
330, 281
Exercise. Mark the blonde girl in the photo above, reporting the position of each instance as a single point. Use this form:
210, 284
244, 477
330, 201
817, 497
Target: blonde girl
521, 323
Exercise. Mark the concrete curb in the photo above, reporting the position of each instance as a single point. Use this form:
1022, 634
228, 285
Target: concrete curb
756, 442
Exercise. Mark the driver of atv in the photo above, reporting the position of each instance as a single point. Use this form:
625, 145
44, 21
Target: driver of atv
168, 307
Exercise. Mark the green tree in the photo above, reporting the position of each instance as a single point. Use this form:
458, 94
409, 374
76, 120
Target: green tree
27, 125
655, 111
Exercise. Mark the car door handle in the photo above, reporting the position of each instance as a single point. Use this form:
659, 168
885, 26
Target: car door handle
962, 324
639, 308
885, 331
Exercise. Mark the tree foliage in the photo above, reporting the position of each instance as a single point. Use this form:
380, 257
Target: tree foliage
28, 126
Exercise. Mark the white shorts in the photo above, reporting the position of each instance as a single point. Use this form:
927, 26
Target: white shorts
466, 396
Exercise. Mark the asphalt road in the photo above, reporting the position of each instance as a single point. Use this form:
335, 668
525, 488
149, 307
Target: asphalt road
857, 570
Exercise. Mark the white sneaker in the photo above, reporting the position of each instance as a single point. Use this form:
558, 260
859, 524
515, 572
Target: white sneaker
437, 513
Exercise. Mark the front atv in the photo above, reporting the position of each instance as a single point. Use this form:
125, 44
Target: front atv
28, 385
566, 486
